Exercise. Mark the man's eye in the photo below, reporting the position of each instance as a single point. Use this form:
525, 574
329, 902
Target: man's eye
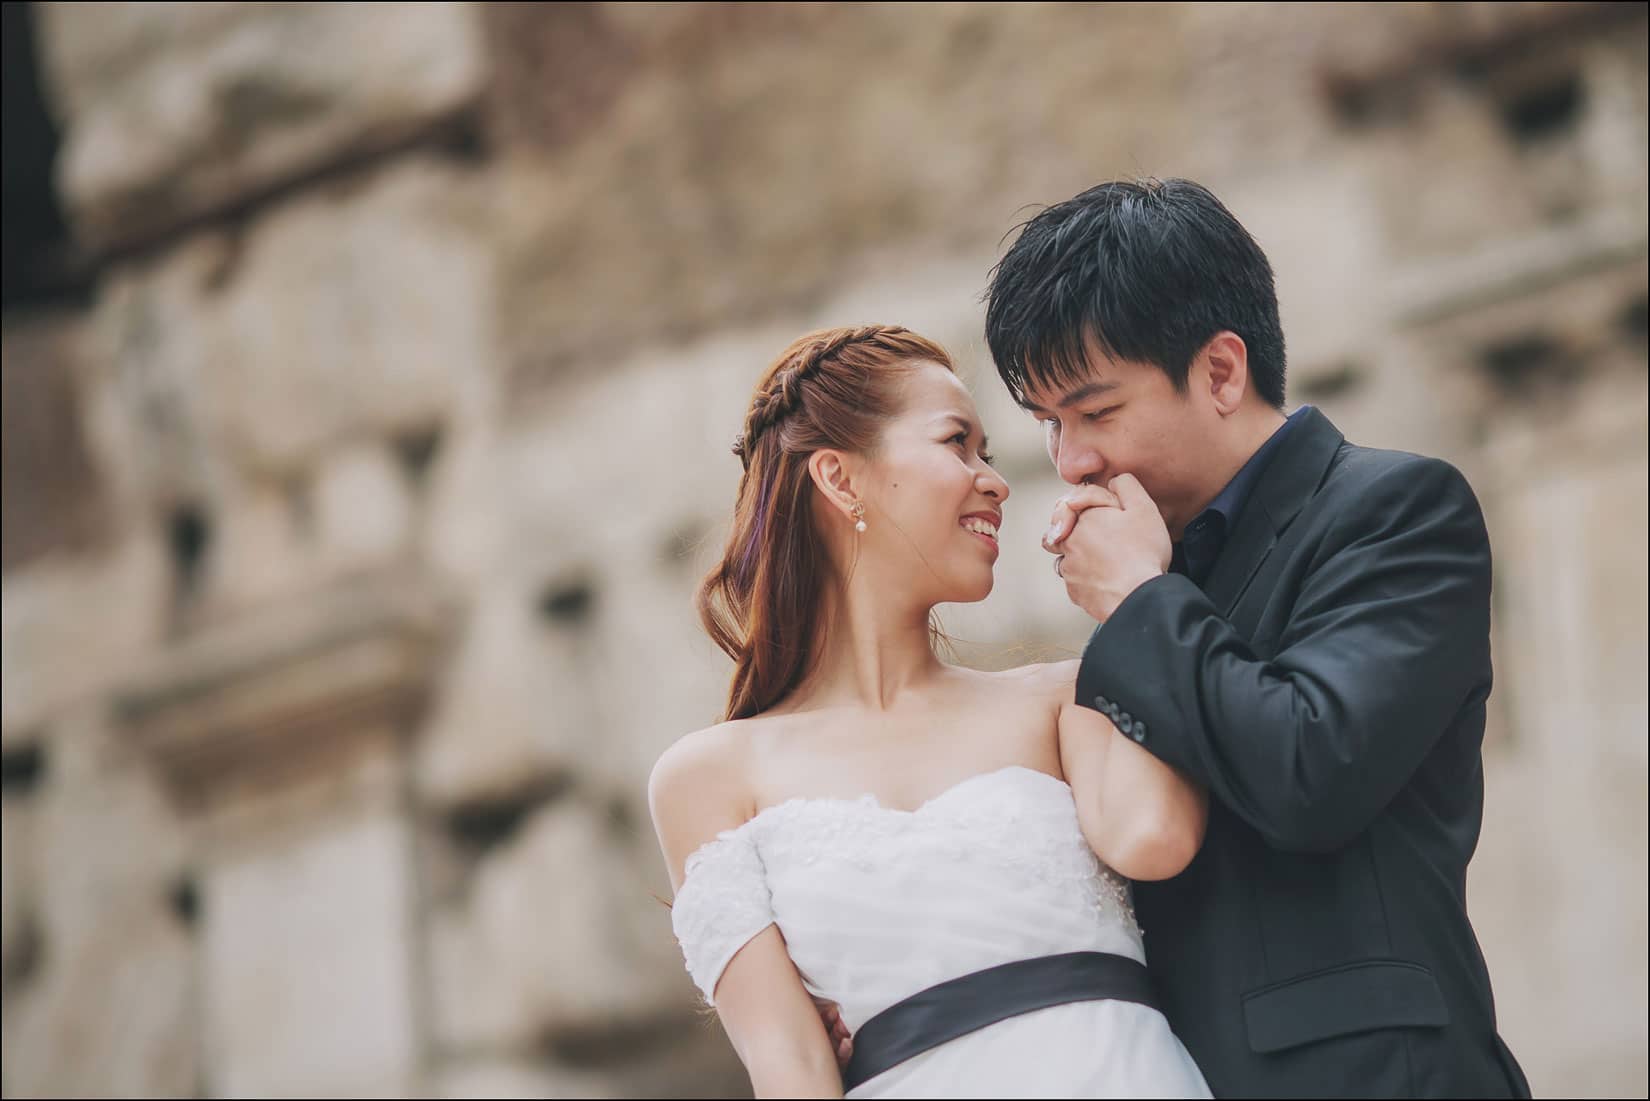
988, 458
1100, 413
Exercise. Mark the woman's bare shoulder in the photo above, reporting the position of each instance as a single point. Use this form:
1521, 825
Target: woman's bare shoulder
1049, 678
700, 787
704, 761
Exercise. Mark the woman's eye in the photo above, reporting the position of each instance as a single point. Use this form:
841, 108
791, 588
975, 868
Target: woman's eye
961, 440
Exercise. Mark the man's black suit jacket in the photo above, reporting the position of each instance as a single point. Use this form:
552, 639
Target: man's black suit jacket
1328, 686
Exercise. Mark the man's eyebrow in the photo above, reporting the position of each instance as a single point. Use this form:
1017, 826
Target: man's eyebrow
1082, 393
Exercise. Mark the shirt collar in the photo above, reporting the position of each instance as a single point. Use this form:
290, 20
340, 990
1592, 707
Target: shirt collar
1230, 501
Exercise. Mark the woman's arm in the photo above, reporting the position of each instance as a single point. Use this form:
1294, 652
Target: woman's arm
774, 1024
767, 1012
1142, 817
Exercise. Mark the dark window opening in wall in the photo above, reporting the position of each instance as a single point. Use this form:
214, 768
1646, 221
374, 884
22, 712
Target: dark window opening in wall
1522, 366
613, 1046
1634, 321
189, 535
1546, 110
38, 262
683, 544
569, 603
1333, 383
298, 493
184, 898
416, 451
621, 819
1357, 103
486, 823
28, 951
22, 768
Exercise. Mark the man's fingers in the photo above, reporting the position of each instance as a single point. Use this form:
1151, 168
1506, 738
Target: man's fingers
832, 1015
1130, 493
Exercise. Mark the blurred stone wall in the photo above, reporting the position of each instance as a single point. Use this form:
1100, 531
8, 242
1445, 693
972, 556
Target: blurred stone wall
354, 494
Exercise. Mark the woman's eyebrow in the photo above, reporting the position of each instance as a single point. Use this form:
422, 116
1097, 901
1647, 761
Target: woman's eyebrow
968, 427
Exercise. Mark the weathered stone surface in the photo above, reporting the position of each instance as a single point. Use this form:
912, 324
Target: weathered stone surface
296, 690
127, 995
309, 987
69, 627
766, 217
54, 498
178, 109
558, 937
495, 726
113, 965
341, 315
19, 904
363, 313
507, 1078
229, 381
1573, 599
362, 509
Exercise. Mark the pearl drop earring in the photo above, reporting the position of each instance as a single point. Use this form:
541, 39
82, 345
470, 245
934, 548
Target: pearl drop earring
859, 515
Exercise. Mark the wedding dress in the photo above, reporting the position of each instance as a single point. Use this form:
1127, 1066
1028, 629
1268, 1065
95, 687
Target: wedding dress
877, 903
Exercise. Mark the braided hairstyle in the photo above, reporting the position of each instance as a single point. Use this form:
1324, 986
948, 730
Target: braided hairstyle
761, 603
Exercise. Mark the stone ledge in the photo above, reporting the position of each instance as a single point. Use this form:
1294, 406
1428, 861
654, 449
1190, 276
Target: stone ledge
174, 113
280, 696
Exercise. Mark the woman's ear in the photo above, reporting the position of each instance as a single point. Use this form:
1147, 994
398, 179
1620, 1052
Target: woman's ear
832, 475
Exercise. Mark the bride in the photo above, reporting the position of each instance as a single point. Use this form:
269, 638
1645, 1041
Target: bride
939, 852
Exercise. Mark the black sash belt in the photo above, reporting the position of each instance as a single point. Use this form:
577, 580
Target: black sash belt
959, 1006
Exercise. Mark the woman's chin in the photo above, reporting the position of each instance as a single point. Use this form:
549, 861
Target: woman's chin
974, 590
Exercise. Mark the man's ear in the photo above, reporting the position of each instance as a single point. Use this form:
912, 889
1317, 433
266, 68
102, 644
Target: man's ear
1225, 363
833, 475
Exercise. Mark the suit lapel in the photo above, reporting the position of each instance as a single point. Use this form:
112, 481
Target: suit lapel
1291, 476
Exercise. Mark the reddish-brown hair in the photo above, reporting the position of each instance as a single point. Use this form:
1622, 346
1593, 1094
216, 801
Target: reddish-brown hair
761, 603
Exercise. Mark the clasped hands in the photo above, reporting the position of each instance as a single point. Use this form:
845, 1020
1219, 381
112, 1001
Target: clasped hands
1108, 541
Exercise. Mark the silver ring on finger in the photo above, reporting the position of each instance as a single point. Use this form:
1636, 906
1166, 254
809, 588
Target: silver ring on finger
1059, 558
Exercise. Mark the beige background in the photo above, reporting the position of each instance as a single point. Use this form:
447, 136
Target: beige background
352, 511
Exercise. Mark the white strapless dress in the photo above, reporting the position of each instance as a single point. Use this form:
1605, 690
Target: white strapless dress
876, 904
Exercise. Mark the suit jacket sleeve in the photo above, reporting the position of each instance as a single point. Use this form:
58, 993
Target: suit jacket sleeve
1387, 641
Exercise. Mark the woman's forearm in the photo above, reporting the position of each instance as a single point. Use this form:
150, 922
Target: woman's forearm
780, 1076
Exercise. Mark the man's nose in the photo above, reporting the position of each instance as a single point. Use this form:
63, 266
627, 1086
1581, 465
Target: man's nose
1075, 464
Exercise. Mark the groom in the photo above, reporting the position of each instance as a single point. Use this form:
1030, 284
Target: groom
1296, 622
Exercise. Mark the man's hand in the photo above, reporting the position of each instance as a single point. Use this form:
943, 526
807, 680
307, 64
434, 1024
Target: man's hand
841, 1041
1110, 541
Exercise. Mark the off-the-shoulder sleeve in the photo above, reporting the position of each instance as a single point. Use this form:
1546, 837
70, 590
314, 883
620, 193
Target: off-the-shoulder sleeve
722, 904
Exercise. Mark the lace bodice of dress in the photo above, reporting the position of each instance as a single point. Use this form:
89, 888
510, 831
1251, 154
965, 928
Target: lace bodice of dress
876, 903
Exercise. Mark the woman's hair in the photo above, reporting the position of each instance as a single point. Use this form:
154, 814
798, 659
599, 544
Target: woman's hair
761, 603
